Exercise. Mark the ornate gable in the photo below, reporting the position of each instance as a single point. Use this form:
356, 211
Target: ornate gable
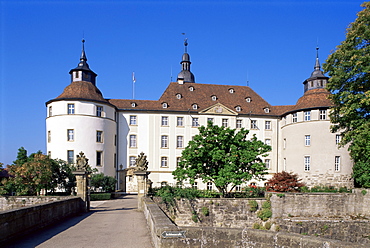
218, 109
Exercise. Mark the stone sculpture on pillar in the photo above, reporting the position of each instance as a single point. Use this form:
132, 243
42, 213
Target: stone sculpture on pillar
142, 177
82, 174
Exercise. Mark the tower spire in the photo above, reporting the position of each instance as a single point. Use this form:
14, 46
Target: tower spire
317, 64
83, 72
185, 76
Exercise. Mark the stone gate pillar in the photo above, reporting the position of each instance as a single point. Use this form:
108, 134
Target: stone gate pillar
83, 180
141, 174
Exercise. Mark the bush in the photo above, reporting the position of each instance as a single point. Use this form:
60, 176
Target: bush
268, 225
100, 197
264, 214
253, 205
256, 226
205, 211
106, 183
284, 182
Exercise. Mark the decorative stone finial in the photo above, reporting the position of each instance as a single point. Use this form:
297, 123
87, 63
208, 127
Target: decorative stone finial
141, 162
82, 162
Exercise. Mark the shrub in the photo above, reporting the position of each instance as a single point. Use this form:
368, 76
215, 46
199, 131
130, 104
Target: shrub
205, 211
100, 197
266, 204
363, 192
264, 214
268, 225
284, 182
280, 195
194, 217
256, 226
253, 205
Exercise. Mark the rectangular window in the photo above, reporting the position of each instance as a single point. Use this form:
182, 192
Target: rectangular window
307, 140
307, 115
164, 141
268, 125
209, 186
268, 142
284, 143
307, 163
132, 161
284, 164
70, 156
133, 120
195, 122
133, 140
164, 162
337, 163
254, 124
99, 158
337, 139
178, 160
195, 185
294, 117
70, 135
180, 121
99, 136
210, 120
179, 143
225, 122
99, 111
50, 111
239, 123
49, 136
115, 140
323, 114
238, 188
164, 121
71, 108
267, 163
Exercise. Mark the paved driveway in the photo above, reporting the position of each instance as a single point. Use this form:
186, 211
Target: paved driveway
114, 223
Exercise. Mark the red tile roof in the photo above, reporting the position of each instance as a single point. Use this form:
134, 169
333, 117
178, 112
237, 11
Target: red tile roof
82, 90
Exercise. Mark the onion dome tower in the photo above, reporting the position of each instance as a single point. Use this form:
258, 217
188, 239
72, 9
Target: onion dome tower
185, 76
80, 119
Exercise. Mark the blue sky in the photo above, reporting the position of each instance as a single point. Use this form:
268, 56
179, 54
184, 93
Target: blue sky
270, 44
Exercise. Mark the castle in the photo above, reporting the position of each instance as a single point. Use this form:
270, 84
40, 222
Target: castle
113, 132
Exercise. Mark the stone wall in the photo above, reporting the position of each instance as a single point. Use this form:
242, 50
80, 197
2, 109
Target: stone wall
205, 237
226, 212
12, 202
328, 205
27, 219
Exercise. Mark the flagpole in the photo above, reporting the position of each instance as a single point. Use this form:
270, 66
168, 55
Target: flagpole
133, 85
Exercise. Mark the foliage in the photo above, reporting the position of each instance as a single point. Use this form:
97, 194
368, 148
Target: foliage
253, 205
30, 175
194, 217
363, 192
100, 196
327, 189
223, 156
265, 213
349, 84
106, 183
205, 211
268, 225
256, 225
284, 182
253, 192
280, 195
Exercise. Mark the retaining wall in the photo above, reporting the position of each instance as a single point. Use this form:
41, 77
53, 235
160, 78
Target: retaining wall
205, 237
12, 202
27, 219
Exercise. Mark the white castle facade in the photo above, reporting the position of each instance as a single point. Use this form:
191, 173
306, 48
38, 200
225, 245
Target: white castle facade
113, 132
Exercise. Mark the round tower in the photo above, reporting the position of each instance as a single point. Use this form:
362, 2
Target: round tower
307, 146
80, 119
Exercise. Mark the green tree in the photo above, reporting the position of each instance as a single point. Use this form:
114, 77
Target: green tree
349, 69
223, 156
30, 175
107, 183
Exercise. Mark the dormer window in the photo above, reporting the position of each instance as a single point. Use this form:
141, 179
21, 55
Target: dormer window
164, 105
133, 104
191, 88
231, 90
195, 106
214, 98
238, 108
248, 99
178, 96
267, 110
